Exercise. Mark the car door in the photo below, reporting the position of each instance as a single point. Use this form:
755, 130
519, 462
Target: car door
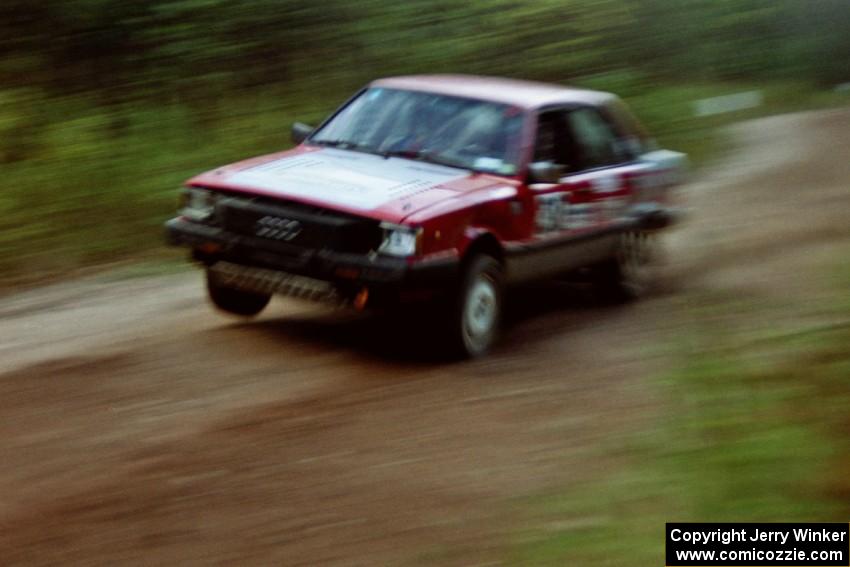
575, 218
599, 183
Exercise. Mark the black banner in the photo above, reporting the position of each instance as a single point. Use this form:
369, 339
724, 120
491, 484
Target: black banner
765, 545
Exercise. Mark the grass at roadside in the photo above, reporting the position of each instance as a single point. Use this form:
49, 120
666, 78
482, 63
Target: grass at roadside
753, 428
95, 187
85, 186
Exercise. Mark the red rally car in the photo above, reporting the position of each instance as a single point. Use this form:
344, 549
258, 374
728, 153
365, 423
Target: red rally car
440, 188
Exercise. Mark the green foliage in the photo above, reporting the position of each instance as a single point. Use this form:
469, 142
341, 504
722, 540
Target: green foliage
117, 50
107, 105
751, 430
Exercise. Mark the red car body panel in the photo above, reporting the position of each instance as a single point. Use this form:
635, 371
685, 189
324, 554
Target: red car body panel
456, 207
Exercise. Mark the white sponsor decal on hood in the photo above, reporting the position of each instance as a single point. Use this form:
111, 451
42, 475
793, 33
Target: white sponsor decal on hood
350, 179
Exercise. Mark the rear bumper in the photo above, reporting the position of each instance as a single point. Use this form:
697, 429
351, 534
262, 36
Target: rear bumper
349, 272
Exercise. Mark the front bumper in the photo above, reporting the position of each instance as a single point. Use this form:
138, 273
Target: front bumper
387, 276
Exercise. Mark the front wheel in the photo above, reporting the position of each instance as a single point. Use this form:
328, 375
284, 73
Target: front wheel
235, 301
477, 312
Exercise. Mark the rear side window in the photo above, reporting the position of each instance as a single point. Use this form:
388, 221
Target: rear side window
634, 137
596, 138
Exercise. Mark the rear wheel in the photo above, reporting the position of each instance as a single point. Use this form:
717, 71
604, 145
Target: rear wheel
628, 274
235, 301
477, 312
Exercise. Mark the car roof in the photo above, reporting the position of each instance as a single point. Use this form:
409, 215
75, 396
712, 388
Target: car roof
525, 94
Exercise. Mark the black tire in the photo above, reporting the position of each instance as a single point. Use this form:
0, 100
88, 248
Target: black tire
476, 312
235, 301
628, 274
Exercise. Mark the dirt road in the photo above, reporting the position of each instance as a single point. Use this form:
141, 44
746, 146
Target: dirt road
138, 426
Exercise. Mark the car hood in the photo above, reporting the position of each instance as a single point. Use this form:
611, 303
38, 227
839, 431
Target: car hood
354, 182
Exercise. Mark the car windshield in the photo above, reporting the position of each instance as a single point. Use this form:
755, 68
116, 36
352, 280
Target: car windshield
453, 131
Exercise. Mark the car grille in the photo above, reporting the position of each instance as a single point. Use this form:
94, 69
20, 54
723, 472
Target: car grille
298, 227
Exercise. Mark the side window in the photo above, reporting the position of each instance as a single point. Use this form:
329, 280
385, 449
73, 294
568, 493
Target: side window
597, 140
544, 144
633, 136
554, 141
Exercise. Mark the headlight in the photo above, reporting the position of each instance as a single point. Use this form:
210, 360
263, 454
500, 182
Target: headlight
400, 240
197, 204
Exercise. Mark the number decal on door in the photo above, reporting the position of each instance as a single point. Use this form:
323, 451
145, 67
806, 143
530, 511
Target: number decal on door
550, 210
556, 213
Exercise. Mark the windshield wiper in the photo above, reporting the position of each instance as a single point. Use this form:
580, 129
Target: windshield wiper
409, 154
345, 145
427, 156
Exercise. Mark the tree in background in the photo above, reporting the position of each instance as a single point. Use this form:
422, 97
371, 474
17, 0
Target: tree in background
123, 49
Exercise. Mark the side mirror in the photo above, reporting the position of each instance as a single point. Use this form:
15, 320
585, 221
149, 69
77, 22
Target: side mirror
300, 131
545, 172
